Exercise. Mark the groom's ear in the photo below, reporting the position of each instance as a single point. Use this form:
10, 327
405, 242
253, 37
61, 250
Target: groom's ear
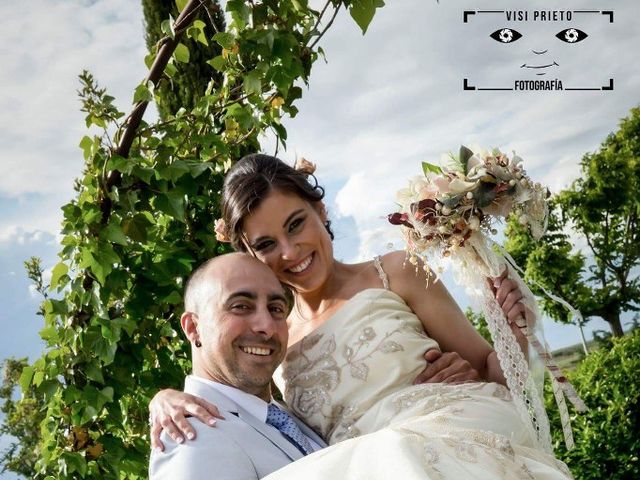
189, 323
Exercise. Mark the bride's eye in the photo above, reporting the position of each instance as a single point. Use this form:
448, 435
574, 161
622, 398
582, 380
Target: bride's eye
296, 224
506, 35
571, 35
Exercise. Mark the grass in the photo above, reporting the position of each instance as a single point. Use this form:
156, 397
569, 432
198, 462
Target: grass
568, 358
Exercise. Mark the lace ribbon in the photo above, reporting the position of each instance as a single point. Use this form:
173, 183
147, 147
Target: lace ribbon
473, 266
560, 384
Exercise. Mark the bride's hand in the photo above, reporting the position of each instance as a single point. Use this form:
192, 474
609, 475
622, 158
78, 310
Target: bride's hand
168, 410
509, 297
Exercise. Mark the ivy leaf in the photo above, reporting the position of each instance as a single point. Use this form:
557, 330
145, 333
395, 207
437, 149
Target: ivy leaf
167, 27
143, 93
94, 372
86, 144
49, 388
107, 393
113, 233
149, 59
25, 378
49, 335
252, 83
300, 5
136, 228
172, 203
176, 201
128, 325
181, 53
99, 269
196, 31
181, 4
362, 11
170, 69
225, 40
74, 462
239, 11
217, 63
56, 274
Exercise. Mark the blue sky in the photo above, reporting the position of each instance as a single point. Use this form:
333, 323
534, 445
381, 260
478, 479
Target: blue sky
382, 104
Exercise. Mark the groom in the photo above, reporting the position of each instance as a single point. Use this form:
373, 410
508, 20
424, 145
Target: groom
235, 318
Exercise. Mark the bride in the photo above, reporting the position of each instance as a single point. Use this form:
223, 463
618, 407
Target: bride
357, 334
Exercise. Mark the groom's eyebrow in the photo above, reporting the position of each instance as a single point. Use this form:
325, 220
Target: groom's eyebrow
241, 294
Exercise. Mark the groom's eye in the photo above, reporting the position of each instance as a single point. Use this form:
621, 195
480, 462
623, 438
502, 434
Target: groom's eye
506, 35
240, 307
571, 35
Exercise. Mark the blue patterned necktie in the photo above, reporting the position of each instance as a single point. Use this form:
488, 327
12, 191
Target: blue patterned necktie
282, 421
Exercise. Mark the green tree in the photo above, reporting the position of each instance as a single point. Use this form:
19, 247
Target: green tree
479, 321
22, 416
607, 436
22, 419
601, 209
184, 83
142, 219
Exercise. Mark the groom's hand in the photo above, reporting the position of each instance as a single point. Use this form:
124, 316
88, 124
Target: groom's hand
448, 367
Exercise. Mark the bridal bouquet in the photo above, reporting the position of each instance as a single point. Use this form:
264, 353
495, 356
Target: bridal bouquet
448, 215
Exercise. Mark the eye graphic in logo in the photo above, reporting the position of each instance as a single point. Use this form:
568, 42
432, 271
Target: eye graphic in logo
506, 35
571, 35
568, 35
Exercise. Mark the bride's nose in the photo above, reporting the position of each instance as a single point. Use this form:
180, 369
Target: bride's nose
289, 250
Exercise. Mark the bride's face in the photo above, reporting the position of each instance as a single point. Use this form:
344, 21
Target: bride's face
287, 233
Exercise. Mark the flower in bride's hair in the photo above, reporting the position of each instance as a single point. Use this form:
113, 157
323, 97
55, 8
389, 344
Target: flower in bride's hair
220, 227
305, 166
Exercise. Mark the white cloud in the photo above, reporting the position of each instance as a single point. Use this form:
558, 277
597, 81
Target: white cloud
44, 46
15, 235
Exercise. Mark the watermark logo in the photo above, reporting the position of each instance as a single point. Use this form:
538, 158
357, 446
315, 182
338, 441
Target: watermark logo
539, 68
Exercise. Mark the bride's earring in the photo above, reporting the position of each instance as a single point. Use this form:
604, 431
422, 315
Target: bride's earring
198, 344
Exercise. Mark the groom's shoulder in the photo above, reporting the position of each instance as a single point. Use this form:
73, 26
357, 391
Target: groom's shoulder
219, 449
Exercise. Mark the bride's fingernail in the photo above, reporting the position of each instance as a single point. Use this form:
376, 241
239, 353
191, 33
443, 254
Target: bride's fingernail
212, 422
190, 436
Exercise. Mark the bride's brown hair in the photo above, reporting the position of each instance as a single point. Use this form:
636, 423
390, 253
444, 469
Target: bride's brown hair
251, 179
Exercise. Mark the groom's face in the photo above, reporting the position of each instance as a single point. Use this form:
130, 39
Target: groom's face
243, 328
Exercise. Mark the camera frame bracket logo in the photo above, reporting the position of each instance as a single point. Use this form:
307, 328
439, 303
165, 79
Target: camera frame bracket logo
568, 35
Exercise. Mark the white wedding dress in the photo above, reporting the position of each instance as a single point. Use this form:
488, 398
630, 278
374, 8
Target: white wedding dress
350, 380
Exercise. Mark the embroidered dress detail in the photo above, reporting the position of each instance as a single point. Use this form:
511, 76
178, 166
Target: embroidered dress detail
282, 421
351, 381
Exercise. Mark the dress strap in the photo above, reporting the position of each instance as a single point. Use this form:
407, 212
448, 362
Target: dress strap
381, 273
